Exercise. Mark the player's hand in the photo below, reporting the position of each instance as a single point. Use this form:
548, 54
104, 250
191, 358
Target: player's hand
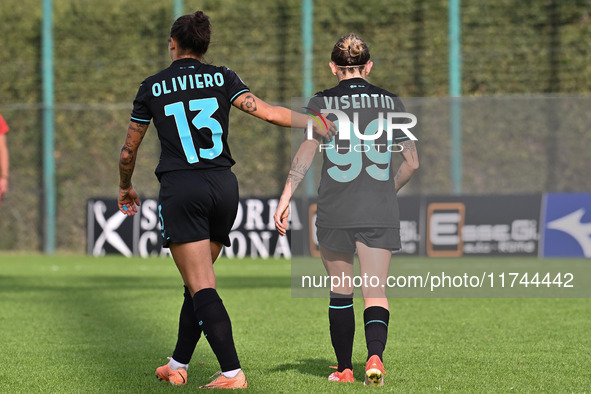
128, 201
280, 217
328, 131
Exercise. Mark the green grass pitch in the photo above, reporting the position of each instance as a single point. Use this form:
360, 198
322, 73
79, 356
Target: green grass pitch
77, 324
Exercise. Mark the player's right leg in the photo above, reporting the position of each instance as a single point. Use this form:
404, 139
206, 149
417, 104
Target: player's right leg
188, 335
341, 315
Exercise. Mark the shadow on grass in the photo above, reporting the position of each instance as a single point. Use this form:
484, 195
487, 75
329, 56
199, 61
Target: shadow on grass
320, 367
309, 366
96, 282
90, 320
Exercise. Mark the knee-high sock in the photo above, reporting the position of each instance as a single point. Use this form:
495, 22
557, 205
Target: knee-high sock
215, 323
189, 331
342, 328
376, 321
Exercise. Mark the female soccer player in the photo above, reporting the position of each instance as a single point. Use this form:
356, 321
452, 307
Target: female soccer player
189, 103
357, 205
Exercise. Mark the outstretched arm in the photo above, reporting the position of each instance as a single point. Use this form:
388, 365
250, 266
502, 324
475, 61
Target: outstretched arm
299, 167
128, 199
281, 116
409, 166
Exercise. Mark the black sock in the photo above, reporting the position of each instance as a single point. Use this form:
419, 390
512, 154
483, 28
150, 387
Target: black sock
215, 323
341, 317
189, 331
376, 321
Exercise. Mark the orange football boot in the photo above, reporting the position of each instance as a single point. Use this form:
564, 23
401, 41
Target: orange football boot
176, 377
222, 382
374, 372
345, 376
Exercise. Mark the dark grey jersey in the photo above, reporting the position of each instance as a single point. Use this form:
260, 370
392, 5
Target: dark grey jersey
357, 183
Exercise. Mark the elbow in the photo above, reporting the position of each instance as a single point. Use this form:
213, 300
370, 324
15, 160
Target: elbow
126, 156
270, 116
414, 166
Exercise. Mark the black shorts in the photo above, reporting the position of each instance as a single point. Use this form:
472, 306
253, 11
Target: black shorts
343, 239
197, 204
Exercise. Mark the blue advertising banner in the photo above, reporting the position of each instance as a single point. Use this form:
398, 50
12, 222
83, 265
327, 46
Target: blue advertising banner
566, 225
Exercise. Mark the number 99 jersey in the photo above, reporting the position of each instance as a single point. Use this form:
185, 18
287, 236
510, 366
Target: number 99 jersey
190, 104
357, 187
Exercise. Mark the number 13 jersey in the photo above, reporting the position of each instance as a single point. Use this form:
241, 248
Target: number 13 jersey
357, 180
190, 104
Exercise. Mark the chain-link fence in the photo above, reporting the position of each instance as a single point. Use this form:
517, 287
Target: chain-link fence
103, 50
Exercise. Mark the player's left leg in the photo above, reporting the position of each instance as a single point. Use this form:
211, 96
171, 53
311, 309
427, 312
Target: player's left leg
189, 331
375, 262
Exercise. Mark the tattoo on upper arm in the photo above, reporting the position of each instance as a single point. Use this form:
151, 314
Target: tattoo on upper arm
249, 104
138, 128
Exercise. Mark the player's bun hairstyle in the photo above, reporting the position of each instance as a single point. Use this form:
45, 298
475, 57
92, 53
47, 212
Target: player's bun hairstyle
350, 51
192, 32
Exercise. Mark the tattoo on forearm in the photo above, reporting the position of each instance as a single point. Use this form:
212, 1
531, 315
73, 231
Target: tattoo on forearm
294, 180
129, 157
249, 104
409, 146
125, 177
128, 153
296, 173
299, 168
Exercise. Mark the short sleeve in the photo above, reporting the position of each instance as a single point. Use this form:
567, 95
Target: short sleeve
3, 126
234, 84
315, 105
141, 112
